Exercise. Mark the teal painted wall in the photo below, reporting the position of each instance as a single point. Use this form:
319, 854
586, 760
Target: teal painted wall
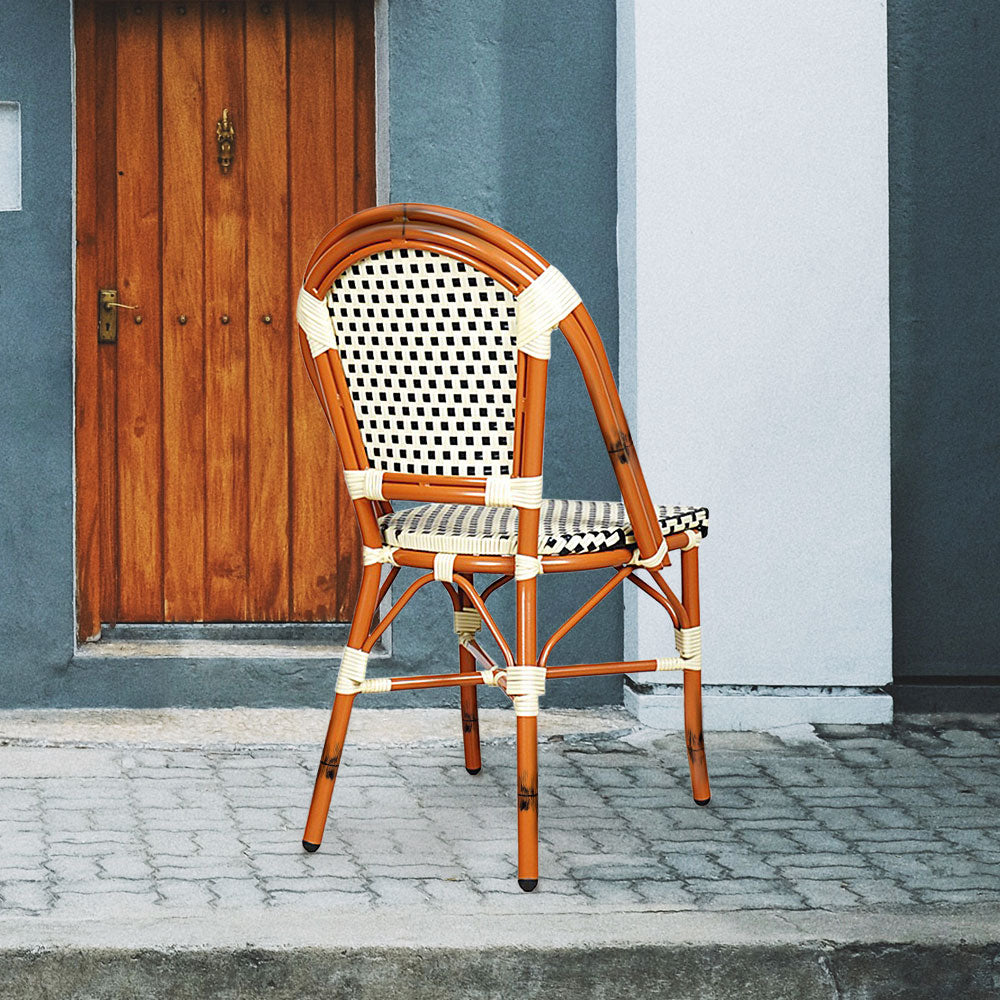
944, 151
36, 360
505, 109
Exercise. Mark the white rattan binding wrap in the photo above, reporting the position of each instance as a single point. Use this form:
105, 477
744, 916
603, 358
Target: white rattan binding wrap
549, 299
373, 556
314, 318
428, 349
364, 483
504, 491
525, 682
352, 671
654, 561
526, 567
444, 566
565, 527
467, 623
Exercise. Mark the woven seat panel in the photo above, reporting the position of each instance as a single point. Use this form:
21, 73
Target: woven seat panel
428, 348
566, 527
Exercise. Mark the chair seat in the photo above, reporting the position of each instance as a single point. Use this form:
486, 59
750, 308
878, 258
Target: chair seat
566, 527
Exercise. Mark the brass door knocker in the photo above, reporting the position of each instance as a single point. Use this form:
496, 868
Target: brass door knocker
226, 137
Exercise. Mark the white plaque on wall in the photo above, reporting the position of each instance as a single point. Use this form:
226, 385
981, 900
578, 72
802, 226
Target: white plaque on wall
10, 156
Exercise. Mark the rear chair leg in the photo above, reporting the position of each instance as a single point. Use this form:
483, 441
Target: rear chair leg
336, 733
469, 702
694, 736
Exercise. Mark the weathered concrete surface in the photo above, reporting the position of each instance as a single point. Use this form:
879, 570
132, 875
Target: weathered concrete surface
781, 956
849, 862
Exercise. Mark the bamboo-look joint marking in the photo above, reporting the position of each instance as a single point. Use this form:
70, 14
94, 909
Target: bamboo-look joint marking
314, 319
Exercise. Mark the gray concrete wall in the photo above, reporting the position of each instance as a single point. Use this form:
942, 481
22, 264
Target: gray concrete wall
493, 108
944, 147
36, 359
507, 110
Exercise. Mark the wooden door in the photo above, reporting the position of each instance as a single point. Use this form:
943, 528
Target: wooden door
208, 486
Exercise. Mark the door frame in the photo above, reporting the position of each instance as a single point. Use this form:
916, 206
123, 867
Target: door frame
86, 425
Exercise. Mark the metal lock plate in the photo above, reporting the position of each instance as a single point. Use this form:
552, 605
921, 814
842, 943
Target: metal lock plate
107, 316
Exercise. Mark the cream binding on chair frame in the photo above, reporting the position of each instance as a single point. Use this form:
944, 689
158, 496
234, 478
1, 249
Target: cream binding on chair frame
426, 333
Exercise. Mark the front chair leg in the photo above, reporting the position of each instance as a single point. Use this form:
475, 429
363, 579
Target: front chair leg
527, 801
336, 732
326, 776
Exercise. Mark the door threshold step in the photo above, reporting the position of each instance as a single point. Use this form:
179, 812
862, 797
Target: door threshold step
215, 640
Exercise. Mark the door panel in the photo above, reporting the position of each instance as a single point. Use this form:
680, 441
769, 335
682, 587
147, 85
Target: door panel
210, 489
182, 82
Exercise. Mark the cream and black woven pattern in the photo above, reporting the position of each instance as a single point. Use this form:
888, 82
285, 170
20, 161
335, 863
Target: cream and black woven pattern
566, 527
428, 348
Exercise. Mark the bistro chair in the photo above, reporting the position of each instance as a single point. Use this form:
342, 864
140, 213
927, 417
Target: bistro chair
426, 334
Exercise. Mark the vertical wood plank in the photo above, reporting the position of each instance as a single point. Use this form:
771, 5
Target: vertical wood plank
183, 291
345, 202
88, 536
139, 397
364, 102
316, 468
269, 291
226, 500
106, 183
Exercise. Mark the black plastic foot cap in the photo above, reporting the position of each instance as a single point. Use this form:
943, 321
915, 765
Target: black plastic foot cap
703, 802
474, 770
311, 848
527, 884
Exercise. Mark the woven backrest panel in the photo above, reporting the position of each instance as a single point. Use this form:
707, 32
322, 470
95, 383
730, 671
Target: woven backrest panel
428, 350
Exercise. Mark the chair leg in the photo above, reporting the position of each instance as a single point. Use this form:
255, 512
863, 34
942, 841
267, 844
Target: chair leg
470, 715
527, 802
336, 733
695, 737
469, 704
329, 763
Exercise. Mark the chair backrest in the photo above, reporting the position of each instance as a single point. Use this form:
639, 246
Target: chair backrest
428, 348
425, 332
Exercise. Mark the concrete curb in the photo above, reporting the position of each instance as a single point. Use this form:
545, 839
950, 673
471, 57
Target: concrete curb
798, 955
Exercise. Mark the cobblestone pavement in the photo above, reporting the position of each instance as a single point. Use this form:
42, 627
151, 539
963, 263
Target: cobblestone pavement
838, 817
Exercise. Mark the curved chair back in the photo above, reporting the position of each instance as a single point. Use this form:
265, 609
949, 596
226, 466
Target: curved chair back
425, 332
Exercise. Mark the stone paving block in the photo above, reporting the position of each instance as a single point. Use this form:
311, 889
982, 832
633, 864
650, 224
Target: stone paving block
398, 891
184, 893
457, 892
109, 902
128, 866
823, 894
103, 886
237, 892
24, 895
746, 887
314, 884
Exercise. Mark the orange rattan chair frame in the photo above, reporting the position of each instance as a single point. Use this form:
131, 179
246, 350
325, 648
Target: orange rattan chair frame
515, 266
